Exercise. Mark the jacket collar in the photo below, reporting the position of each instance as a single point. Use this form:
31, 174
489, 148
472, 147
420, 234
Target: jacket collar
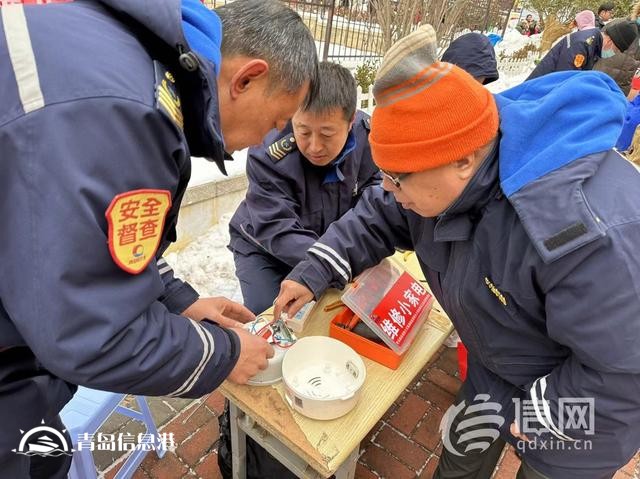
198, 85
335, 174
457, 221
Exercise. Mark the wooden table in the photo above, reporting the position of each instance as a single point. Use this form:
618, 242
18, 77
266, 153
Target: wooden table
312, 448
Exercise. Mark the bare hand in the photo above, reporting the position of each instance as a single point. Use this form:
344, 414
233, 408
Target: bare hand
293, 296
254, 355
223, 311
515, 431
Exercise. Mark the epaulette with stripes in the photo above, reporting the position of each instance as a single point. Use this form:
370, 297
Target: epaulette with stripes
282, 147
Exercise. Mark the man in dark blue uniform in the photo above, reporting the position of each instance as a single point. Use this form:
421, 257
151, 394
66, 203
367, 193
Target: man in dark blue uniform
530, 251
580, 50
301, 180
101, 105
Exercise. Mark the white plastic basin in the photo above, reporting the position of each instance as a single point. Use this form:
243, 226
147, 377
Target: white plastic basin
322, 377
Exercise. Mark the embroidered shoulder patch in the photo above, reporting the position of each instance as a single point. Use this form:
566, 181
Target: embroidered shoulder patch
136, 221
282, 147
167, 96
578, 60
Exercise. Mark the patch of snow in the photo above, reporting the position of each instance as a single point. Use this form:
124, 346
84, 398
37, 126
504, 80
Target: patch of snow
506, 82
514, 41
207, 264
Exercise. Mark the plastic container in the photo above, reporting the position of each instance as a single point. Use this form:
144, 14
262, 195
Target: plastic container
391, 302
380, 353
323, 377
273, 373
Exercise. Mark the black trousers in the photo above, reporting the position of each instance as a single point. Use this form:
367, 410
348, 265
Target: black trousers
260, 464
260, 276
474, 464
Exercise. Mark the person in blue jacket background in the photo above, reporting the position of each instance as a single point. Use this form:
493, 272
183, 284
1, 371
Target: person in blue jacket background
301, 180
531, 252
101, 105
580, 50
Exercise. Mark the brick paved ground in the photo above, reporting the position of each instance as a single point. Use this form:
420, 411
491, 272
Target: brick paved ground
404, 444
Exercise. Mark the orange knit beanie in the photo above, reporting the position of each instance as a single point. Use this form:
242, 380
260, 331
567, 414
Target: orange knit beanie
428, 113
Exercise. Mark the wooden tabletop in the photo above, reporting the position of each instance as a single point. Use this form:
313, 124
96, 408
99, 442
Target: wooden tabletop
324, 445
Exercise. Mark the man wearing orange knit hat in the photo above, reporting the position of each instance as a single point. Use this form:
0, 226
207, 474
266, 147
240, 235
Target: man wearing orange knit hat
525, 222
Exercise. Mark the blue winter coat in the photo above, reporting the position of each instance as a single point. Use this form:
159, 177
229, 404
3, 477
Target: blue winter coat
536, 264
631, 122
290, 202
576, 51
94, 123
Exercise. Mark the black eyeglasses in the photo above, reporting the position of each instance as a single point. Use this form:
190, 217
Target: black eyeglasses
394, 179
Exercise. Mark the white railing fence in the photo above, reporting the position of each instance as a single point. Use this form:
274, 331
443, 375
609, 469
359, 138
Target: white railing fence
516, 66
365, 101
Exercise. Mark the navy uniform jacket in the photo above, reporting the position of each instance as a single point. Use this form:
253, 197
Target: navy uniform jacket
537, 266
91, 124
290, 202
576, 51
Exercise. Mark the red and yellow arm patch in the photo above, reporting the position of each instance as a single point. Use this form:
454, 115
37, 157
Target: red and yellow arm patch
578, 60
136, 221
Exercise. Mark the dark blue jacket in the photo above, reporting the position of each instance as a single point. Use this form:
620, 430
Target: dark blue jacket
576, 51
290, 202
536, 264
92, 124
474, 53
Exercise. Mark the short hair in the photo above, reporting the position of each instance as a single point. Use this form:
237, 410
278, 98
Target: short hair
336, 89
606, 7
271, 31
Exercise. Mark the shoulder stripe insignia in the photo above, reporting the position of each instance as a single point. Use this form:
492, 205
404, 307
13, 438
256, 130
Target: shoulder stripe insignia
282, 147
167, 96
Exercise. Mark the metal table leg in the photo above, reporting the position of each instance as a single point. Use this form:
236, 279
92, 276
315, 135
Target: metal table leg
347, 469
242, 425
238, 444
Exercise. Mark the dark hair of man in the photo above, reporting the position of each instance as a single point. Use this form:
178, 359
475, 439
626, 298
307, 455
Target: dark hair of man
605, 7
271, 31
336, 89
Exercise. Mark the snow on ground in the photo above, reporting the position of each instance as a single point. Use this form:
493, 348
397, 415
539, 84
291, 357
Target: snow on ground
506, 82
207, 264
514, 41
